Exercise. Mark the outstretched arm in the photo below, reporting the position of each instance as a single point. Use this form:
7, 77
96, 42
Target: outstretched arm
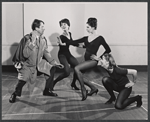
75, 42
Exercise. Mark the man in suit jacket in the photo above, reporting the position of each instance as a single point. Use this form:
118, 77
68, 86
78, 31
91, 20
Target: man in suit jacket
32, 58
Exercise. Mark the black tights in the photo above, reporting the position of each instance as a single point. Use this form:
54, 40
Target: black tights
83, 67
123, 99
66, 60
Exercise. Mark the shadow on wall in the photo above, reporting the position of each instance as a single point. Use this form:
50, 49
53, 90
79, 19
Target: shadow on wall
52, 43
81, 52
13, 48
54, 48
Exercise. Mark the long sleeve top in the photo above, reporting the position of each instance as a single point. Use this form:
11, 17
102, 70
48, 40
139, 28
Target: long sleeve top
93, 46
65, 48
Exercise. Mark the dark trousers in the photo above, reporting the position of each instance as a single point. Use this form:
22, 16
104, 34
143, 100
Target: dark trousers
48, 85
49, 79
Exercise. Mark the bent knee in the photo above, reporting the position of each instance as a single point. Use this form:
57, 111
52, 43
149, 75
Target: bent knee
119, 106
67, 73
76, 69
105, 80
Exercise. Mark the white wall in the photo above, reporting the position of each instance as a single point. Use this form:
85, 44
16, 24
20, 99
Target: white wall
51, 14
123, 25
12, 30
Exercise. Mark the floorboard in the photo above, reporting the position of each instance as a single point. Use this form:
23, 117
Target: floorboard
68, 104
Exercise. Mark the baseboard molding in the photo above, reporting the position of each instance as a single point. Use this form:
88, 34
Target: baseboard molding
11, 68
137, 67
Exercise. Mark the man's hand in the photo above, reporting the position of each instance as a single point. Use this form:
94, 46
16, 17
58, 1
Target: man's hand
33, 38
58, 65
81, 45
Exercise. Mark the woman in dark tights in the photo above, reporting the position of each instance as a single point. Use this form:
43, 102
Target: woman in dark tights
92, 44
118, 81
64, 55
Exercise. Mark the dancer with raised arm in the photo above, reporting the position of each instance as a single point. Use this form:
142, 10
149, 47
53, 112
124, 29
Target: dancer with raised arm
92, 43
64, 55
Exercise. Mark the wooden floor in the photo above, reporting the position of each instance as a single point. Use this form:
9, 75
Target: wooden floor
68, 104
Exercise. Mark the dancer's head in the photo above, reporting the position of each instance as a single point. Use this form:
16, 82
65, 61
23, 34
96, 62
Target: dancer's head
91, 25
64, 24
38, 25
108, 61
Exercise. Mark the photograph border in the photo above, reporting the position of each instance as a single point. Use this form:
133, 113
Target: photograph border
148, 54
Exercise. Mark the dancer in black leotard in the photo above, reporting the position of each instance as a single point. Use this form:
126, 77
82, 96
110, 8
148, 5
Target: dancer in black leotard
118, 81
64, 55
92, 44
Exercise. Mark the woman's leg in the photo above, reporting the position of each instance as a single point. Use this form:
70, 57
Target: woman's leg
82, 67
110, 86
66, 69
123, 101
73, 62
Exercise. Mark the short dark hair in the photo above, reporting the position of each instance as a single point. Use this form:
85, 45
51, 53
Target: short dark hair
64, 21
36, 23
92, 22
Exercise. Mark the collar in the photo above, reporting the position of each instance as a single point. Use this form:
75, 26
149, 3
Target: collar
36, 35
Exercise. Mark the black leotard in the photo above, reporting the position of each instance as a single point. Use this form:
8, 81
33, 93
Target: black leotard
91, 47
65, 48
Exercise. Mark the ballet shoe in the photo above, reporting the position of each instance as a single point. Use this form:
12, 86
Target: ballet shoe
139, 101
48, 92
110, 101
74, 87
92, 92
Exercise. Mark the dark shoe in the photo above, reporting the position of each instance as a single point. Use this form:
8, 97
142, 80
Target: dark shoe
84, 94
139, 101
92, 92
12, 99
49, 93
110, 101
74, 87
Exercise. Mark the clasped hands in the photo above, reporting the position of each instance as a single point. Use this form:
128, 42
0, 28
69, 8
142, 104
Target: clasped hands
59, 42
